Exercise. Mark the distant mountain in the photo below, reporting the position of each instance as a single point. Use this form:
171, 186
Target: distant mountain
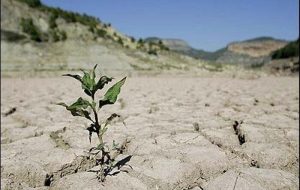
253, 51
250, 51
181, 46
257, 47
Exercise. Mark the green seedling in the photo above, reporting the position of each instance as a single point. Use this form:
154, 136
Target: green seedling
89, 109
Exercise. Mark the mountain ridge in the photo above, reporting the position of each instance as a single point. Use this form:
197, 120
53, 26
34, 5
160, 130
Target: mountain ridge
254, 49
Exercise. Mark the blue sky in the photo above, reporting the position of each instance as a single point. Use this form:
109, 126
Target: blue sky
204, 24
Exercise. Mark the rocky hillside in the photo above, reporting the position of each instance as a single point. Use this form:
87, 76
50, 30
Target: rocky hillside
35, 37
285, 60
250, 52
253, 51
257, 47
182, 47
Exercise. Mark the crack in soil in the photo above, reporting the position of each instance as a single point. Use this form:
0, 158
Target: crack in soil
237, 129
59, 141
229, 150
80, 164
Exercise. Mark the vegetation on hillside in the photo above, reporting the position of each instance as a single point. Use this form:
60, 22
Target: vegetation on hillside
32, 3
262, 38
95, 26
68, 16
290, 50
29, 28
54, 34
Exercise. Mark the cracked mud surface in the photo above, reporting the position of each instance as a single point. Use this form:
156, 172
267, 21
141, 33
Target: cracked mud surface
181, 129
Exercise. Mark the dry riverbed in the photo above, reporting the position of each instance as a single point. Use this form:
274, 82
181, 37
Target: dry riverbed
185, 133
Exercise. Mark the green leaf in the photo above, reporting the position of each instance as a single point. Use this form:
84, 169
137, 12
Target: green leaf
62, 104
77, 77
87, 83
112, 93
110, 118
78, 108
101, 82
93, 75
80, 103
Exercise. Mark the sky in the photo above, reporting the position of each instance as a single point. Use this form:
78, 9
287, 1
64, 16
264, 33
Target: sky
204, 24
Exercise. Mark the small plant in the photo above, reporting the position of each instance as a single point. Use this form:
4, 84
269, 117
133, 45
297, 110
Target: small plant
84, 108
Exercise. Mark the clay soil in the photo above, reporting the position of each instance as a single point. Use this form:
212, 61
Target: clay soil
184, 132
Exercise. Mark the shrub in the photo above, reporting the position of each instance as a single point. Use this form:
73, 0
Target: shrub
106, 25
84, 108
120, 41
132, 39
152, 52
101, 33
58, 35
141, 41
29, 28
162, 46
52, 19
91, 29
160, 43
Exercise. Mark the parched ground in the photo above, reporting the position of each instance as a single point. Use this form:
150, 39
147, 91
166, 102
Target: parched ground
185, 133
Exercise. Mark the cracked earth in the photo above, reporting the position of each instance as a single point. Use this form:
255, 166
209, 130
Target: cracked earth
185, 133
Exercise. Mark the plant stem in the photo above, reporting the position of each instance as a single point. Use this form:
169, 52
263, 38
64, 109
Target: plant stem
97, 125
98, 129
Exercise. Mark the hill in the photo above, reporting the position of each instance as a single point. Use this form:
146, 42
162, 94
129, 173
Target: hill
182, 47
251, 51
35, 37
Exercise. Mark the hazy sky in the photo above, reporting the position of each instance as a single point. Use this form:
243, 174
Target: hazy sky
204, 24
